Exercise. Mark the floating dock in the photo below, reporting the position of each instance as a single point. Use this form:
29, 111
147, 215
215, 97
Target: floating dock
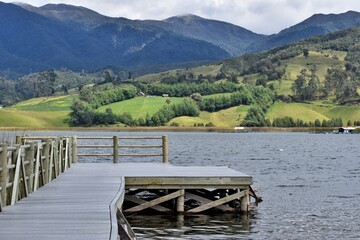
52, 196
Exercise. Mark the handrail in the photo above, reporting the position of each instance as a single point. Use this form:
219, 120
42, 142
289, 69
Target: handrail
30, 164
116, 146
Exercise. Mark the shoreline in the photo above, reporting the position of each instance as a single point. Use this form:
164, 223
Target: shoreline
171, 129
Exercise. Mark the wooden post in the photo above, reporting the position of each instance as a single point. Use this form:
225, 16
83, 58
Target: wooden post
52, 165
18, 140
66, 154
245, 202
180, 202
116, 149
165, 149
74, 149
3, 173
46, 166
56, 157
30, 156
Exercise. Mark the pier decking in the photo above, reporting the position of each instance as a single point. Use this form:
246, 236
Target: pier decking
87, 199
79, 204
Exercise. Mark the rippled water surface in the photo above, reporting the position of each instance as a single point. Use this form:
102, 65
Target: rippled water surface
310, 184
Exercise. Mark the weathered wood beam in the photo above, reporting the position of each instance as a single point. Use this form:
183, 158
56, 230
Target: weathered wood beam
217, 202
205, 201
16, 181
141, 201
3, 173
155, 202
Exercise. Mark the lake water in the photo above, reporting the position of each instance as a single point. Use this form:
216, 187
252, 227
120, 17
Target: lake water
310, 184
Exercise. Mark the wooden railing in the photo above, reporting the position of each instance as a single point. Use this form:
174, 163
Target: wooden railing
30, 164
118, 144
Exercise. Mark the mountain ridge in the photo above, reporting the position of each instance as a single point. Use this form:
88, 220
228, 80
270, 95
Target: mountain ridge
57, 36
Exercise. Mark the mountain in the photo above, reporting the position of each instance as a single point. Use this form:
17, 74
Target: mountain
57, 36
318, 24
232, 38
64, 36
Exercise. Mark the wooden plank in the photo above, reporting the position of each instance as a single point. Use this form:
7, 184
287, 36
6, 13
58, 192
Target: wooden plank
24, 177
140, 146
16, 181
217, 202
140, 201
141, 155
37, 168
3, 173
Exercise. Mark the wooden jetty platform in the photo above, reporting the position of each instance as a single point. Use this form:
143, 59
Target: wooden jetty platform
64, 199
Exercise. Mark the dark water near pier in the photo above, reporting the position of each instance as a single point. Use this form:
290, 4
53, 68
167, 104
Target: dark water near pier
310, 184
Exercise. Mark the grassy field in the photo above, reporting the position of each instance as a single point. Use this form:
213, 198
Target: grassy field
140, 106
204, 70
47, 104
230, 117
44, 112
33, 119
310, 112
321, 61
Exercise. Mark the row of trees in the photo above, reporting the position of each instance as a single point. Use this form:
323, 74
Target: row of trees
186, 89
213, 104
290, 122
98, 99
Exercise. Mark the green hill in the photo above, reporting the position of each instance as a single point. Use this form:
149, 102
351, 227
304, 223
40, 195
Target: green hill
45, 112
328, 67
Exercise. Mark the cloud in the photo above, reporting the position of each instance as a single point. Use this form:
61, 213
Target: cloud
261, 16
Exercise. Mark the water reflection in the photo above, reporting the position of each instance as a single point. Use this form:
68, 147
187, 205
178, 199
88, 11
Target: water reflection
225, 226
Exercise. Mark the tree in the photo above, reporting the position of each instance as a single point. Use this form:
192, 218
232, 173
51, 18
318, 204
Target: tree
196, 97
305, 52
306, 86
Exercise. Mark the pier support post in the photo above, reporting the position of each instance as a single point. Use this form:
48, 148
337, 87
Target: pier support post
245, 202
116, 149
165, 144
3, 173
180, 202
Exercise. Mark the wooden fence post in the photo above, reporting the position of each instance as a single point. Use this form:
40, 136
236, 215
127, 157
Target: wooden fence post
3, 173
116, 149
165, 144
46, 162
18, 140
74, 149
30, 156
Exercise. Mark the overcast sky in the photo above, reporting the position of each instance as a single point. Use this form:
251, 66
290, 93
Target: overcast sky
260, 16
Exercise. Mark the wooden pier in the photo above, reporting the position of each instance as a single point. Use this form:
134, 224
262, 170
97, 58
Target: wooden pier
87, 200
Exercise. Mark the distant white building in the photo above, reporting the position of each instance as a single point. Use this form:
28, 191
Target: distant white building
1, 106
347, 129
